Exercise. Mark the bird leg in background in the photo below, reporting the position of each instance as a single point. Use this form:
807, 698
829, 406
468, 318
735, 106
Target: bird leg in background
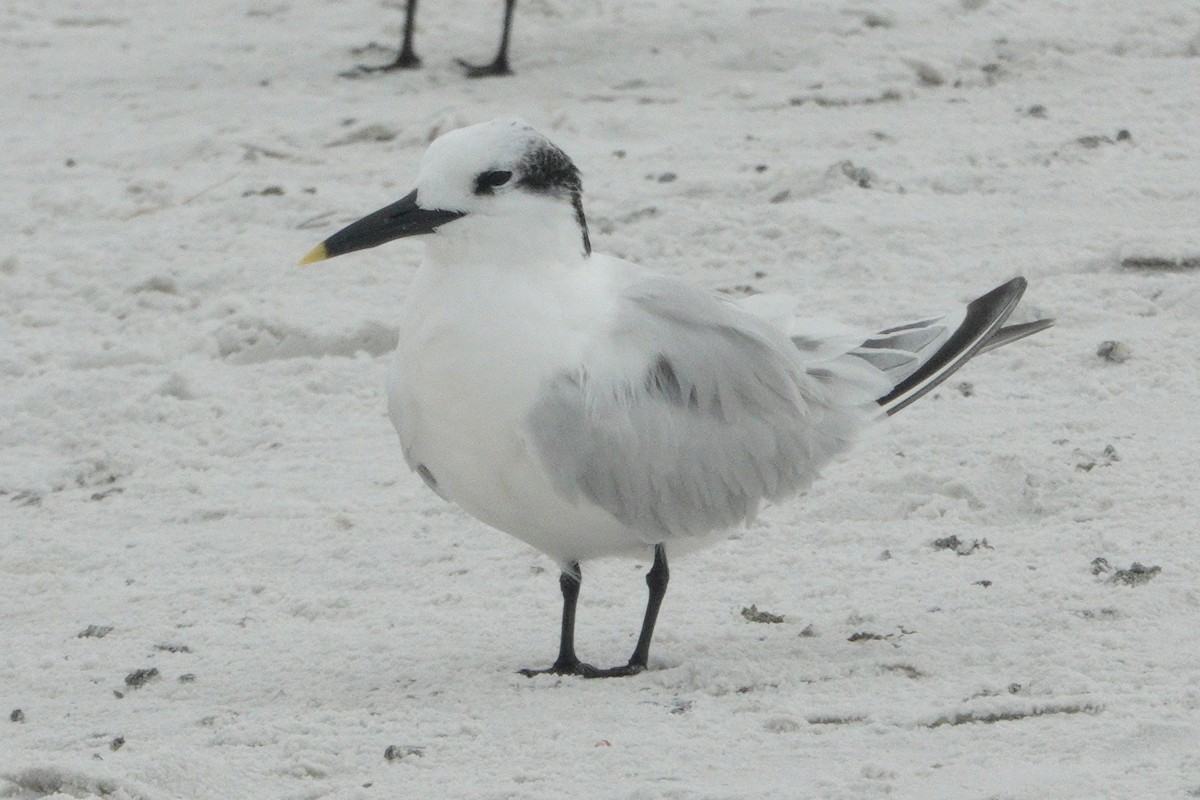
407, 58
499, 65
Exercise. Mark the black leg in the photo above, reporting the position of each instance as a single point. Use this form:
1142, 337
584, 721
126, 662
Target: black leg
567, 662
656, 580
499, 65
407, 58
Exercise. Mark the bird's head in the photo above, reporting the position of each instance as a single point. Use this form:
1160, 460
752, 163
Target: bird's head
496, 188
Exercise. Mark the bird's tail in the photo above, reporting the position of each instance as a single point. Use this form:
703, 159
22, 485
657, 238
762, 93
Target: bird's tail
917, 356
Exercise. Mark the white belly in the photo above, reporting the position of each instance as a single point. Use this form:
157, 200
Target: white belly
460, 395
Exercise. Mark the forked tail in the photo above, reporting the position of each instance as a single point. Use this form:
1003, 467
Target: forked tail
917, 356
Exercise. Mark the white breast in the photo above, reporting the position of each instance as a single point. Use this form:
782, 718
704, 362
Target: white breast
476, 349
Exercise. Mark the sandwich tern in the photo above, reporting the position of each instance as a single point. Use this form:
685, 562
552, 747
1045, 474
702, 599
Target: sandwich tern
590, 408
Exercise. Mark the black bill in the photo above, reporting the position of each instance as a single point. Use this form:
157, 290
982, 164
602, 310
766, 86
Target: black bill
402, 218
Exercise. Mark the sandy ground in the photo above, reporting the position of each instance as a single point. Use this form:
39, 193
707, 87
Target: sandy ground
218, 580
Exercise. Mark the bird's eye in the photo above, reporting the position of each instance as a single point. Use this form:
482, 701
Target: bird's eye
497, 178
488, 181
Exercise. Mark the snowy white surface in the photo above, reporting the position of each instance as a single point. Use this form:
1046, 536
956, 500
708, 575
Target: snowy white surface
194, 449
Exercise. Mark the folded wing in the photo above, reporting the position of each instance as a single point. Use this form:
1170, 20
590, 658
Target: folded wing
704, 412
693, 411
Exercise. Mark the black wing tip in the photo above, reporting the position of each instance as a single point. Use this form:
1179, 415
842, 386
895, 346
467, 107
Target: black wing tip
985, 317
1004, 294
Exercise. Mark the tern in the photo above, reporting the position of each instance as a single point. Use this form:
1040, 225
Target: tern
590, 408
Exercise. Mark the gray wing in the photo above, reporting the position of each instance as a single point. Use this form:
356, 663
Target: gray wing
707, 412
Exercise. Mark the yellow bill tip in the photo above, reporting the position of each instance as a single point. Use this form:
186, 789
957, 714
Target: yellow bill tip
316, 254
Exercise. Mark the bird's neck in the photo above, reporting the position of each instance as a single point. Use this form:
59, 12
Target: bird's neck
553, 243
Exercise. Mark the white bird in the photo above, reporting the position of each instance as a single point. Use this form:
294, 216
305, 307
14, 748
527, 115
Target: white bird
590, 408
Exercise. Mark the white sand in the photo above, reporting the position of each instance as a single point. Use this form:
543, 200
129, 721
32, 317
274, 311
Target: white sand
194, 448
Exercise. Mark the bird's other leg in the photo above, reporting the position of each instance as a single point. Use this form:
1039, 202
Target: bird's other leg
407, 57
656, 580
566, 663
499, 65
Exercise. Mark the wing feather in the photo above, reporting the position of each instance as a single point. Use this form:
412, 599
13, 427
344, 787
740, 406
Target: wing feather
705, 412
